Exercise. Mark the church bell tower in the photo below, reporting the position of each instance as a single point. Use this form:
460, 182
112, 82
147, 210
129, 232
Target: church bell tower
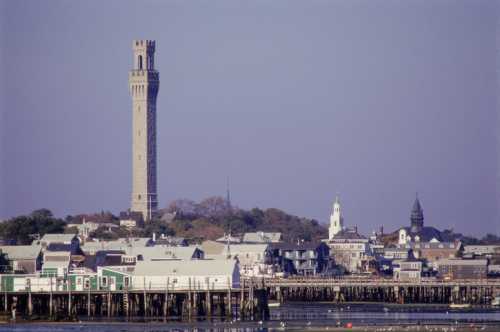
336, 220
144, 82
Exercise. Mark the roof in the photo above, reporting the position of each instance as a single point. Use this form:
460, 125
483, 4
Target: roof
262, 237
295, 246
468, 262
425, 234
55, 264
186, 268
58, 237
247, 248
171, 240
417, 207
120, 244
349, 234
21, 252
212, 247
230, 238
59, 247
163, 252
432, 245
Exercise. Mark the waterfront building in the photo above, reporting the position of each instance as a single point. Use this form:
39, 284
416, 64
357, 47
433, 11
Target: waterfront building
396, 253
407, 270
462, 268
217, 274
56, 263
23, 259
161, 253
336, 220
254, 259
115, 259
144, 83
350, 250
481, 250
305, 258
262, 237
433, 251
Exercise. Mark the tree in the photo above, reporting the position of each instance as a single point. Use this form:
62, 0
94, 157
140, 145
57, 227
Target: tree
22, 228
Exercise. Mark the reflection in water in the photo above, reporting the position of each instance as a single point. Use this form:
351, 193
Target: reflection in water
304, 316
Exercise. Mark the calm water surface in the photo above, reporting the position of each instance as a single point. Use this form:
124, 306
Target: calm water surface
305, 316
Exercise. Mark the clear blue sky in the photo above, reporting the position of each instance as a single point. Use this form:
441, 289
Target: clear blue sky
295, 101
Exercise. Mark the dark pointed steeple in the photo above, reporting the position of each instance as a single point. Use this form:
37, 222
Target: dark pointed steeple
417, 216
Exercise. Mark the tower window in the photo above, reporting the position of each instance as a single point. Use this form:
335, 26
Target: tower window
139, 196
140, 62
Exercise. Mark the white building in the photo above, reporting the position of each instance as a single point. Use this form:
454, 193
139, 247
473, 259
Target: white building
254, 259
408, 270
215, 274
336, 220
350, 250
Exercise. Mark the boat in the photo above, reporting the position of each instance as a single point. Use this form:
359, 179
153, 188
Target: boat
460, 305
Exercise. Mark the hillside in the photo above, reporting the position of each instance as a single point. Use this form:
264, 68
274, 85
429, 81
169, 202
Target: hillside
212, 218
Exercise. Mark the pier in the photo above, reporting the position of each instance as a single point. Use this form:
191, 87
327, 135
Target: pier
248, 302
479, 292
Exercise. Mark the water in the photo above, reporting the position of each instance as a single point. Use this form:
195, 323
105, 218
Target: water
306, 316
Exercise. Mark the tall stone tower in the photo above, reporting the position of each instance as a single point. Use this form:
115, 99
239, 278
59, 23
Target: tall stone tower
144, 82
336, 220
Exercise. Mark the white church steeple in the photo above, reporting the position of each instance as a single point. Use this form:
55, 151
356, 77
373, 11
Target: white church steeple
336, 220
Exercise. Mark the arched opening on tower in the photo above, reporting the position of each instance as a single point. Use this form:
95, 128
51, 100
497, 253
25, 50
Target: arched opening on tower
140, 62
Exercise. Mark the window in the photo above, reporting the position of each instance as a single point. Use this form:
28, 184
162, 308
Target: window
140, 62
104, 281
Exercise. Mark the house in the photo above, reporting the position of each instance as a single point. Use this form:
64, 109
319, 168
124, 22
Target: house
309, 258
254, 259
116, 259
350, 250
395, 253
113, 279
462, 268
72, 248
407, 270
218, 274
23, 259
71, 240
91, 247
56, 263
262, 237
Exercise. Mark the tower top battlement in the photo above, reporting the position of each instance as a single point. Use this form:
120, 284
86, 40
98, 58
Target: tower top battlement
144, 50
144, 43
